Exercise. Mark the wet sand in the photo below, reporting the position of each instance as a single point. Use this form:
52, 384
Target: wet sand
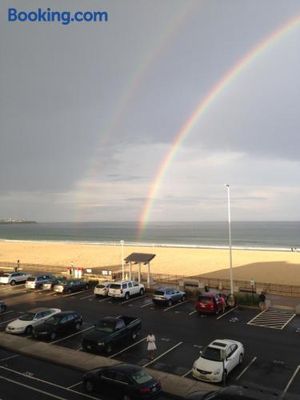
278, 267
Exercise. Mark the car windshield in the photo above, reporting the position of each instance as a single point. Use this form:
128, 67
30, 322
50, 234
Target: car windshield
101, 286
159, 292
213, 354
105, 326
6, 274
141, 377
27, 317
31, 279
205, 299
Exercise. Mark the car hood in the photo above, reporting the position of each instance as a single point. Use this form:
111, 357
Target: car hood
207, 365
96, 336
17, 323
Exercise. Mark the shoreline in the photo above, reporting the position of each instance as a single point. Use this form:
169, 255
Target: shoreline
269, 266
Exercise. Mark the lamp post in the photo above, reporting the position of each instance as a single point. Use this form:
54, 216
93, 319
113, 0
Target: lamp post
122, 258
229, 239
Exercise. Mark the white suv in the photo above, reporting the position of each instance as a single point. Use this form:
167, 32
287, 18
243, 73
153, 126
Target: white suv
125, 289
13, 277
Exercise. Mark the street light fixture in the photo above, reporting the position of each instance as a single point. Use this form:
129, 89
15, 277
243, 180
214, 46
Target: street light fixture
229, 239
122, 259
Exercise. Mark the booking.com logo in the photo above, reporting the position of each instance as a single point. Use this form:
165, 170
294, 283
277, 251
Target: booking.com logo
63, 17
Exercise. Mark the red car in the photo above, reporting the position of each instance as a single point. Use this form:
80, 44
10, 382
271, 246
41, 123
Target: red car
211, 303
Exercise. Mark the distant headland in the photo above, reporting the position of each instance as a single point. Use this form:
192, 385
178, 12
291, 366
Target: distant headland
16, 221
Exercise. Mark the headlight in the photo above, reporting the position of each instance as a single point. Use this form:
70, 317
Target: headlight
100, 344
217, 371
194, 365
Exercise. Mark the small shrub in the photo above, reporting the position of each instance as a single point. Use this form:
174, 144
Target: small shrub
247, 299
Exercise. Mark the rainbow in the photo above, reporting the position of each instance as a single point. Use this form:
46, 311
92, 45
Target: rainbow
203, 107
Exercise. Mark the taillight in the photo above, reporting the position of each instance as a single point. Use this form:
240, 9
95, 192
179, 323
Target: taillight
145, 390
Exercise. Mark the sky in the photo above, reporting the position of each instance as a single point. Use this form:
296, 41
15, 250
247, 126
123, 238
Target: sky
90, 112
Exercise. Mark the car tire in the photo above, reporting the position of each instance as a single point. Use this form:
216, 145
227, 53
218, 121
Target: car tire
241, 358
12, 283
224, 377
28, 330
52, 336
170, 303
89, 386
78, 326
142, 292
127, 295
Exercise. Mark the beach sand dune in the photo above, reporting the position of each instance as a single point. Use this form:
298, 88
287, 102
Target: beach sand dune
278, 267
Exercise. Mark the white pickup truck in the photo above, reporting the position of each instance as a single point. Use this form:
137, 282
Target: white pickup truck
13, 277
125, 289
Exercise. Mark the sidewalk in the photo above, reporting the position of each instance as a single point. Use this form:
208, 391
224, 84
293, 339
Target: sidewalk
283, 301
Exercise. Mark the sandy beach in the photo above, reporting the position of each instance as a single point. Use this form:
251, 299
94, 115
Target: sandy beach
278, 267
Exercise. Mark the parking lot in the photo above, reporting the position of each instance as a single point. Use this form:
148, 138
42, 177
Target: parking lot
272, 355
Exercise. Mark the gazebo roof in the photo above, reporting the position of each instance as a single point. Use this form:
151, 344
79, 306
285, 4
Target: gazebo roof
138, 258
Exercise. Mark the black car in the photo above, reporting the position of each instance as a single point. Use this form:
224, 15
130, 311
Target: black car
71, 285
60, 324
123, 381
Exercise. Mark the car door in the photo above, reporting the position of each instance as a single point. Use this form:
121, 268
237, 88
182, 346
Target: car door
231, 357
106, 382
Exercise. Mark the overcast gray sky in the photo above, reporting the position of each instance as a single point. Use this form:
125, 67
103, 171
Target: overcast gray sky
89, 111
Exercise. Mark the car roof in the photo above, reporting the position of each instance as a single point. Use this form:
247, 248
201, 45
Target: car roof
222, 343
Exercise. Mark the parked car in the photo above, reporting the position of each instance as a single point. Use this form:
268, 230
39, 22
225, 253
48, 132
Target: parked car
70, 286
3, 306
111, 331
53, 281
101, 289
210, 303
12, 278
238, 393
36, 282
168, 296
125, 289
217, 360
26, 322
122, 380
59, 324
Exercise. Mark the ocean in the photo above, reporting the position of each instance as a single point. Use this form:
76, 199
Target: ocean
247, 235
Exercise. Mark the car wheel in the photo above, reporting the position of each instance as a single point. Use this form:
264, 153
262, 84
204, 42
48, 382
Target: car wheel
224, 377
108, 348
28, 330
170, 303
89, 386
69, 291
241, 358
77, 326
53, 336
127, 296
13, 283
142, 292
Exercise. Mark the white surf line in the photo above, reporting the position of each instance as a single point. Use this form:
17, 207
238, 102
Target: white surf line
147, 304
129, 347
47, 383
32, 388
290, 382
166, 352
256, 316
223, 315
133, 299
289, 320
245, 369
10, 357
73, 334
187, 373
192, 312
175, 305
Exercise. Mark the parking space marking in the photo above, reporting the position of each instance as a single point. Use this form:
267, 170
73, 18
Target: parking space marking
193, 312
32, 388
126, 348
100, 301
223, 315
133, 299
9, 358
187, 373
46, 382
272, 318
246, 368
166, 352
147, 304
73, 334
86, 297
75, 384
290, 382
71, 294
175, 305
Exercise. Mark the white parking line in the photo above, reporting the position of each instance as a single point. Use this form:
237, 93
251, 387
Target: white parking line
175, 305
10, 357
75, 384
46, 382
290, 382
187, 373
192, 312
223, 315
126, 348
105, 299
86, 297
289, 320
73, 334
245, 369
147, 304
166, 352
134, 299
